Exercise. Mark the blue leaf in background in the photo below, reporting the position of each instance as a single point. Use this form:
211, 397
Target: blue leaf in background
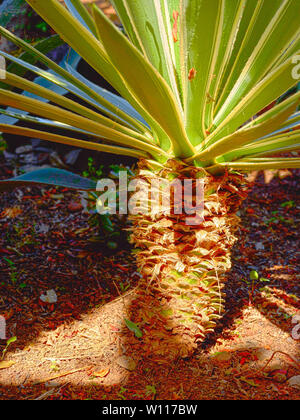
49, 176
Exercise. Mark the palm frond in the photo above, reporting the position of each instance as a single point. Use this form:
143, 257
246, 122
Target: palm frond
192, 79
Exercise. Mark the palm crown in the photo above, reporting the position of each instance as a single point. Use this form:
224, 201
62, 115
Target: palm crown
192, 76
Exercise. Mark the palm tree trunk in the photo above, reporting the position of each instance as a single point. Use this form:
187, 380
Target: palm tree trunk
179, 296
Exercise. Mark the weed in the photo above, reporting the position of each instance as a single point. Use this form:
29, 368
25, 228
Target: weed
8, 343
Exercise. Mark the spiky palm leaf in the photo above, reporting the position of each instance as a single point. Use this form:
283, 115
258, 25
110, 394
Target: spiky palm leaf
193, 75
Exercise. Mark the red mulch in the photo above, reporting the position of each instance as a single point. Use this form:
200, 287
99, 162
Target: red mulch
76, 348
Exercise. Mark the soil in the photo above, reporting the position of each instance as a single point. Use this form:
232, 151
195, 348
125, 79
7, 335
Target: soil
79, 346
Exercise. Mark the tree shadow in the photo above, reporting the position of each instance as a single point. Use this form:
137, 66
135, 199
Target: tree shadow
277, 260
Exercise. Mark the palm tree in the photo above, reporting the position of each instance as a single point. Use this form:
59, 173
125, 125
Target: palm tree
193, 77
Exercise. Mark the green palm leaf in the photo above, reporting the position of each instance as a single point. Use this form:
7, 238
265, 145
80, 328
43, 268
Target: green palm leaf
192, 77
49, 176
143, 80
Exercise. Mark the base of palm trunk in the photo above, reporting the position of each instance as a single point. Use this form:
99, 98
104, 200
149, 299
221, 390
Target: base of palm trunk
179, 297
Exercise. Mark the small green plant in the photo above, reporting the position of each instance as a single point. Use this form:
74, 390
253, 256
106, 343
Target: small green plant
21, 18
288, 204
92, 172
278, 218
150, 391
8, 343
124, 287
13, 270
3, 145
121, 393
54, 366
133, 327
14, 274
255, 283
111, 229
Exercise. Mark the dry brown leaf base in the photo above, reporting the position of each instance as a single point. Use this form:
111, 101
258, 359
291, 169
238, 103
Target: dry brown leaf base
180, 297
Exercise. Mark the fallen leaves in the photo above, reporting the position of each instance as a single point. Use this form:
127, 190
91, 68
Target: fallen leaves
101, 373
294, 381
49, 297
246, 357
11, 213
6, 364
74, 206
222, 356
126, 362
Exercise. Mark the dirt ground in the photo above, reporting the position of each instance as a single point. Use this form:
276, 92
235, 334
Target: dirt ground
80, 348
